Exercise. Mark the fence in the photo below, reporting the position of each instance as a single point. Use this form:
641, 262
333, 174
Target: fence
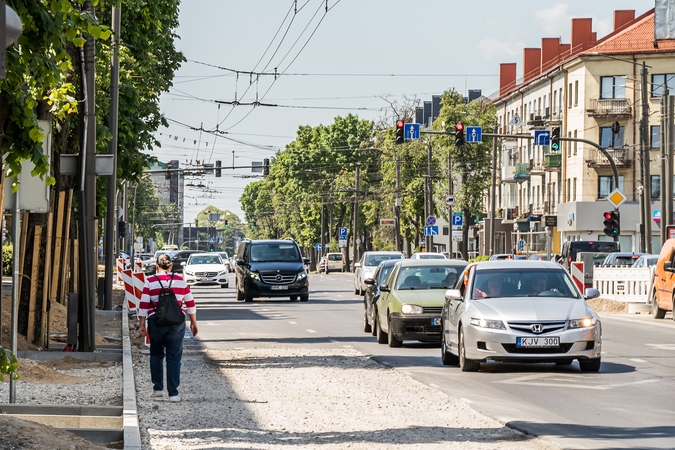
624, 284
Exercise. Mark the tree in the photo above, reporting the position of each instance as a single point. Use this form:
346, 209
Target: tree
227, 233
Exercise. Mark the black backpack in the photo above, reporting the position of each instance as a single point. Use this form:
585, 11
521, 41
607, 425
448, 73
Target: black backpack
167, 311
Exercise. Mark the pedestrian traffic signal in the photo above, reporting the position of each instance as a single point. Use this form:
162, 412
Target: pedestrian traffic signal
459, 134
612, 223
555, 139
400, 137
218, 169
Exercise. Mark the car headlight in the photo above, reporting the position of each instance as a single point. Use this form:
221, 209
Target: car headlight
302, 275
188, 272
254, 275
485, 323
586, 322
411, 309
222, 272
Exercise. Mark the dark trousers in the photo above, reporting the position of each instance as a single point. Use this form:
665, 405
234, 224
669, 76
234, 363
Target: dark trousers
165, 341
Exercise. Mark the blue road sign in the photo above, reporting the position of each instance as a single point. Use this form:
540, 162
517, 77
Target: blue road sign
212, 241
342, 233
457, 219
474, 134
411, 131
521, 245
430, 230
431, 220
542, 137
318, 247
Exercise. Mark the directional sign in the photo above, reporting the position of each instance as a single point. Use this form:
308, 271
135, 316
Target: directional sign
542, 137
474, 134
449, 200
431, 220
318, 247
515, 121
521, 245
457, 220
411, 130
342, 233
430, 231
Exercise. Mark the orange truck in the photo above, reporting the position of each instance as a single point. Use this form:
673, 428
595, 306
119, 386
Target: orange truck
664, 281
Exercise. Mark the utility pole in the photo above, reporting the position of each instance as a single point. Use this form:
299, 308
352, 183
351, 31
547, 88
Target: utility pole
397, 208
356, 217
663, 152
429, 240
667, 205
644, 153
323, 230
493, 199
450, 206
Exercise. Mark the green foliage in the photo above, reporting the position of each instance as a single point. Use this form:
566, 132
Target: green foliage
480, 258
8, 363
7, 259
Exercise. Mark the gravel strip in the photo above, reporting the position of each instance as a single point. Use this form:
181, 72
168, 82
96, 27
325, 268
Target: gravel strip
307, 399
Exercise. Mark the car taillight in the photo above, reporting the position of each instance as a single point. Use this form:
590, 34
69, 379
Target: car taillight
587, 285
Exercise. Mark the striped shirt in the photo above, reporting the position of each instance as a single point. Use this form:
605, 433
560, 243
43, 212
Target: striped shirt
152, 288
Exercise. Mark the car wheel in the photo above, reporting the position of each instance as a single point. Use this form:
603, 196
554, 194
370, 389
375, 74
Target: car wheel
294, 298
381, 335
366, 325
467, 365
447, 358
391, 339
356, 290
657, 312
590, 365
304, 298
248, 298
372, 320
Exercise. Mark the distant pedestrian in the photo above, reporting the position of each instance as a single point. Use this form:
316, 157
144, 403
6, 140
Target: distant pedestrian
165, 340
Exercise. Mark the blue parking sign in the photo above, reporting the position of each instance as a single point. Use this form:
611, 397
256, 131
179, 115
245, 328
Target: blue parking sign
342, 233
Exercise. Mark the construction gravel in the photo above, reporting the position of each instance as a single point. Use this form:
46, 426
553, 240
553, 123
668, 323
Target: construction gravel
308, 399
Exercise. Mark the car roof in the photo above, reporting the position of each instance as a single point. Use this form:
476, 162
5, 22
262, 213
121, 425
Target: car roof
272, 241
517, 264
389, 262
431, 262
205, 254
382, 252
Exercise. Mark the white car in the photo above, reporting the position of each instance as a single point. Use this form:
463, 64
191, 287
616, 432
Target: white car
428, 255
205, 268
366, 266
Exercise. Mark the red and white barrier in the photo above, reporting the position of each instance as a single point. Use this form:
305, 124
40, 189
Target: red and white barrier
577, 272
138, 265
120, 269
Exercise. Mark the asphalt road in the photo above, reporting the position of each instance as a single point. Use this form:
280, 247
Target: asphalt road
628, 404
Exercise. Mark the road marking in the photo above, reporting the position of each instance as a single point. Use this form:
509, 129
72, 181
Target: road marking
538, 380
347, 346
211, 324
340, 296
292, 323
334, 341
662, 346
638, 360
310, 331
265, 309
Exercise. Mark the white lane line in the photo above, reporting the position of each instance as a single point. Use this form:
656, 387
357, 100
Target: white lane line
339, 295
310, 331
292, 323
662, 346
265, 309
347, 346
637, 360
210, 324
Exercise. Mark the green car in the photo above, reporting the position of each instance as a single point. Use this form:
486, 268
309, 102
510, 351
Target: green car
412, 298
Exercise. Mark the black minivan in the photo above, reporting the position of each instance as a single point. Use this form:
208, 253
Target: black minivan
271, 268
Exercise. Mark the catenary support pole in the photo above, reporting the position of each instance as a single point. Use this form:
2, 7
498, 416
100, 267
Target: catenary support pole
397, 207
668, 161
644, 153
493, 195
450, 252
664, 163
429, 240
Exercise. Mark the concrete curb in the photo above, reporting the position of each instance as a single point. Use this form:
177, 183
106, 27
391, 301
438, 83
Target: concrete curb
132, 434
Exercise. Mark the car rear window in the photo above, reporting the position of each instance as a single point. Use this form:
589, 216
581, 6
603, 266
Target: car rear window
592, 246
624, 260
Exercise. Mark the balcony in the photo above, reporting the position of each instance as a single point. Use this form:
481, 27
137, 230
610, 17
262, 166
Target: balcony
609, 107
536, 120
621, 157
522, 172
536, 167
552, 161
508, 172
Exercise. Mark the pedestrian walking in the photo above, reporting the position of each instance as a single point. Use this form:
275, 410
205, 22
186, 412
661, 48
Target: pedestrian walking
165, 341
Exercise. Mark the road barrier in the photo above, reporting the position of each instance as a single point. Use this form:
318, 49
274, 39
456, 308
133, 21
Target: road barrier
624, 284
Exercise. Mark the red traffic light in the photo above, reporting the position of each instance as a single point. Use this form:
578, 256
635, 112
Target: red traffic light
459, 126
608, 216
400, 124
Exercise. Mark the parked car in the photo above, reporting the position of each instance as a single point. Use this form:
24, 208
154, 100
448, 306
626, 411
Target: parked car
205, 268
179, 257
411, 299
619, 259
455, 255
373, 294
664, 281
428, 255
646, 260
332, 262
226, 260
571, 248
271, 268
520, 311
367, 265
538, 257
500, 256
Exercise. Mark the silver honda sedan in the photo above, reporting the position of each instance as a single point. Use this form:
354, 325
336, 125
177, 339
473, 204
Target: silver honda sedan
519, 311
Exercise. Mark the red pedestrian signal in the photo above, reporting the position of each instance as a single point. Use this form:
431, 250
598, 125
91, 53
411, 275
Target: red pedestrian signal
400, 137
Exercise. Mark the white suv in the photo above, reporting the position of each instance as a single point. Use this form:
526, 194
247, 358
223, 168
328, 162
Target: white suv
333, 263
366, 266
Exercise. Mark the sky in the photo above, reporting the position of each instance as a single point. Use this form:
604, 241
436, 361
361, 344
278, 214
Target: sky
348, 59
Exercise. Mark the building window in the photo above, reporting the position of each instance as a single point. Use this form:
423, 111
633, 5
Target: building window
569, 185
609, 139
606, 185
560, 102
569, 96
659, 81
569, 145
576, 93
574, 189
655, 136
656, 187
575, 142
612, 87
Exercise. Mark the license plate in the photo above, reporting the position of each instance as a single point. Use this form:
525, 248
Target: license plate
279, 288
436, 321
538, 342
205, 279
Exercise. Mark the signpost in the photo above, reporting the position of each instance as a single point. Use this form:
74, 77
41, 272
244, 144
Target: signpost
430, 230
542, 137
457, 219
342, 237
411, 130
474, 135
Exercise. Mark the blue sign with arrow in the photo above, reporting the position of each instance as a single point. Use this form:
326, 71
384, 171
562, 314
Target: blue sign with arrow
318, 247
542, 137
430, 230
411, 131
474, 134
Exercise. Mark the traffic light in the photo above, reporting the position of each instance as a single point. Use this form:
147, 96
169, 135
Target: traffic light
400, 137
122, 228
612, 223
266, 166
255, 225
167, 174
218, 170
555, 139
459, 134
210, 247
226, 225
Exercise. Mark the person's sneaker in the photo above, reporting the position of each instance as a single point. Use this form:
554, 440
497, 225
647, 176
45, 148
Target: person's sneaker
156, 394
174, 398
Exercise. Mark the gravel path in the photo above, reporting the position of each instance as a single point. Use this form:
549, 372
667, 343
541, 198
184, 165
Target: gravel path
307, 399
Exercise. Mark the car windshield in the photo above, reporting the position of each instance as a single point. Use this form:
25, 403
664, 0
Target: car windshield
427, 277
375, 260
423, 256
505, 283
274, 252
205, 259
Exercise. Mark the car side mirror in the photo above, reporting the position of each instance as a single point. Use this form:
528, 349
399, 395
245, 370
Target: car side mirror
240, 262
384, 288
183, 263
668, 266
453, 294
305, 260
369, 281
357, 264
591, 293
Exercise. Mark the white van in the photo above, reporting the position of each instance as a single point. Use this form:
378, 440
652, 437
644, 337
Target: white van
169, 248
